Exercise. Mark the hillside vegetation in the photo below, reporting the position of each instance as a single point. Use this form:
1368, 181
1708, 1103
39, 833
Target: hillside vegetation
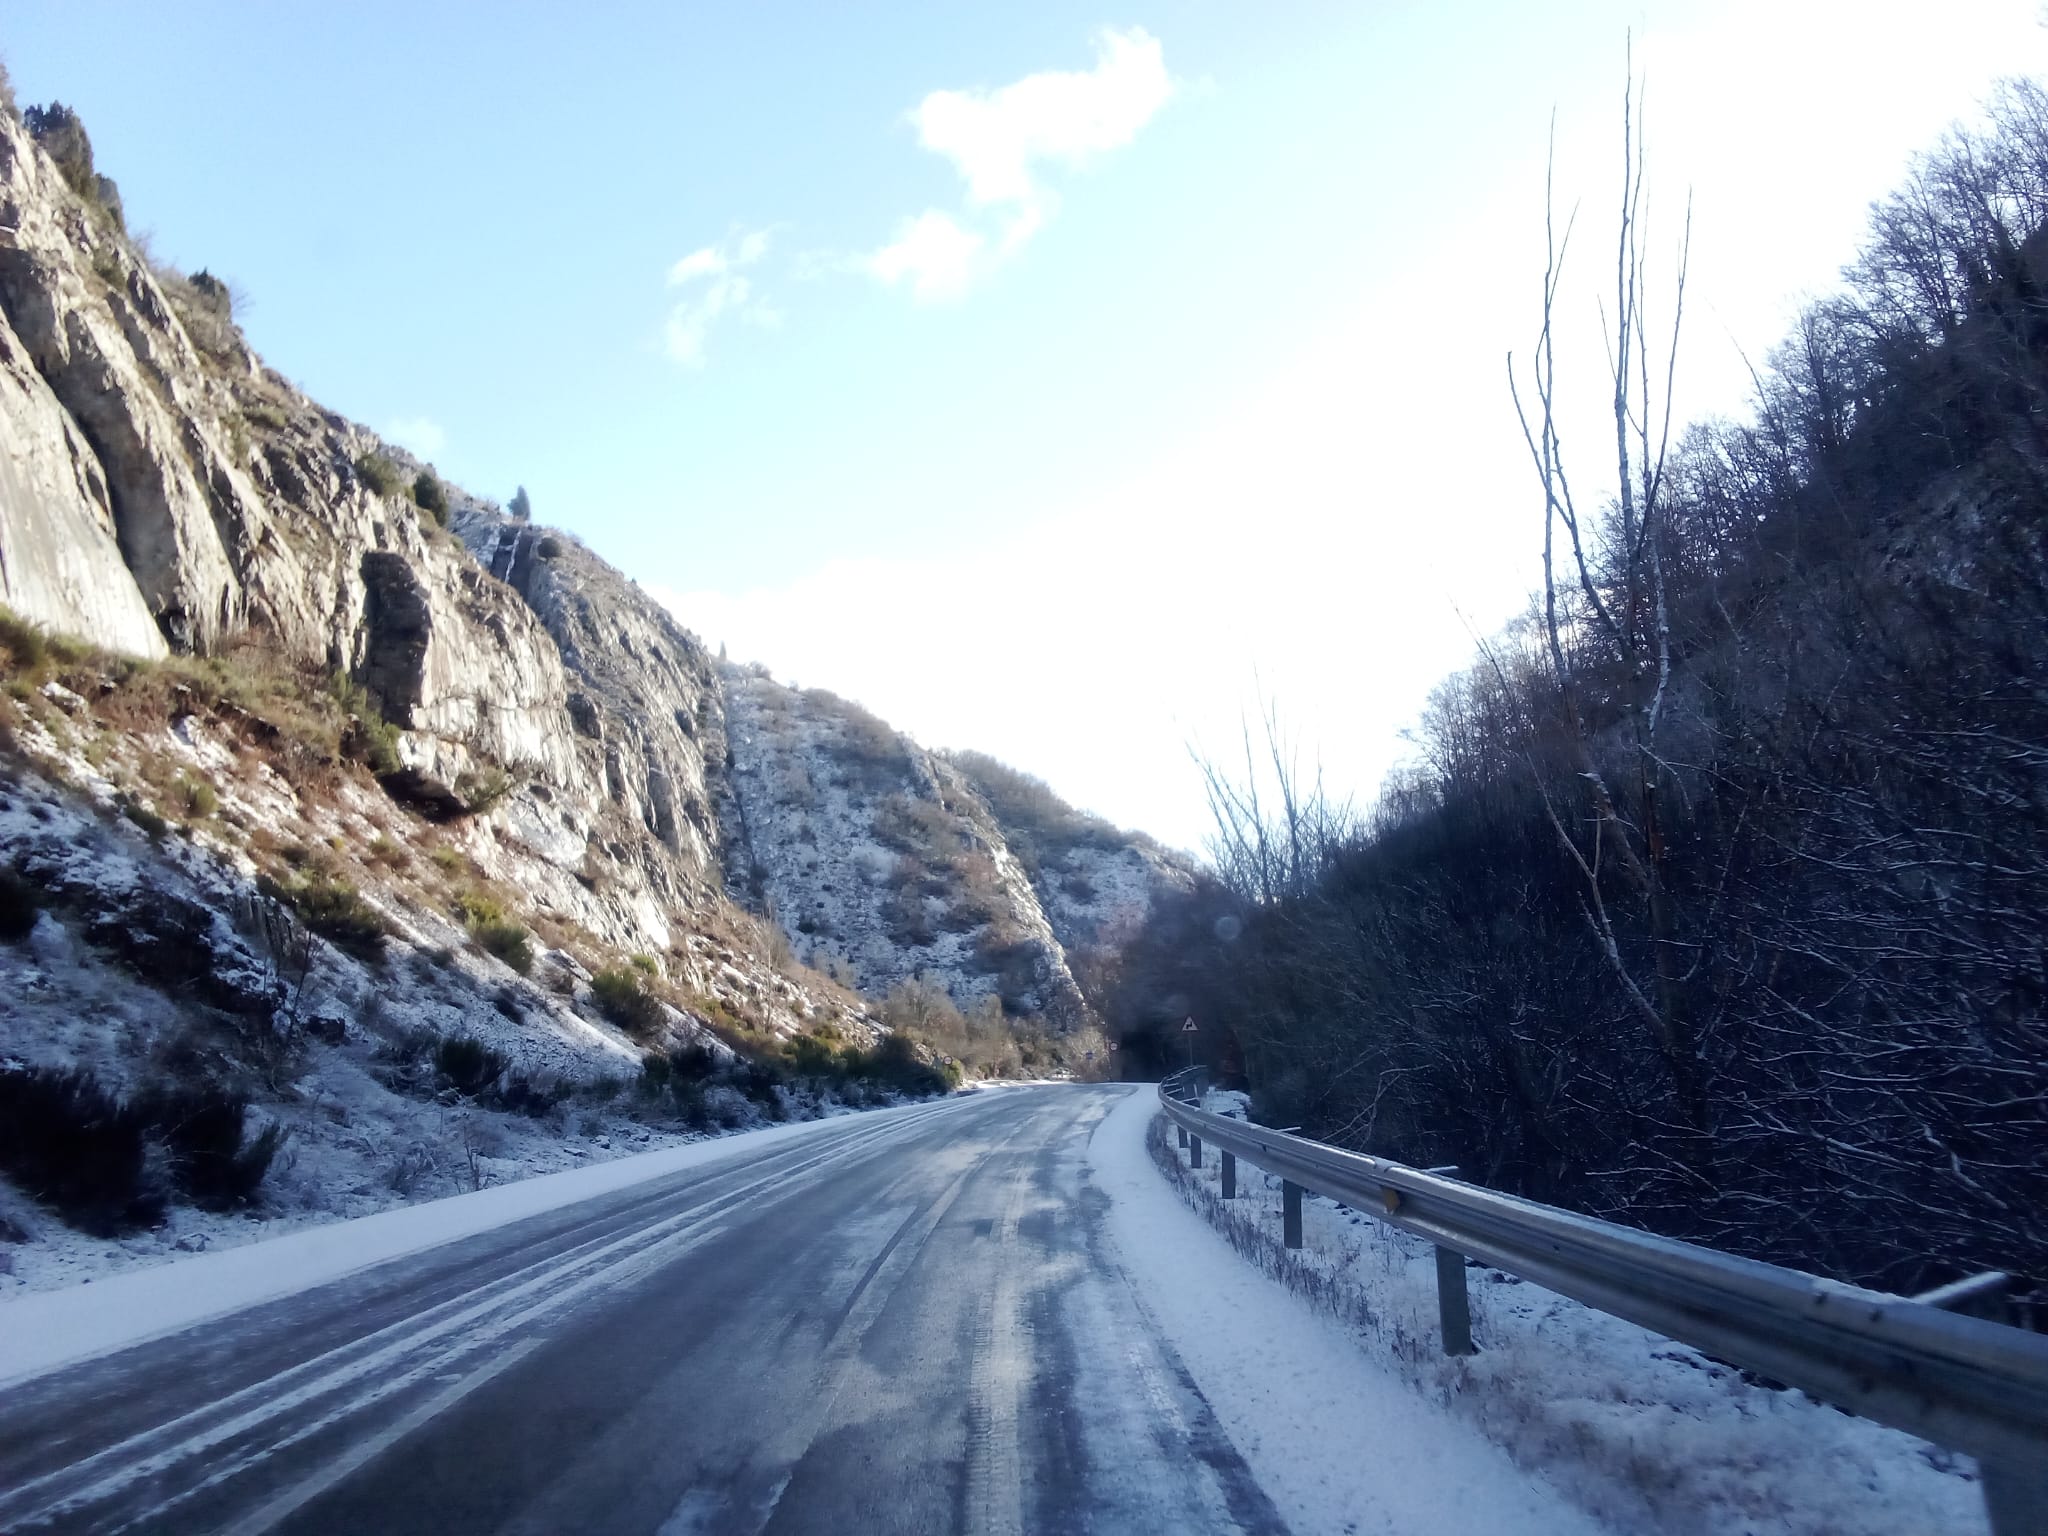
1723, 914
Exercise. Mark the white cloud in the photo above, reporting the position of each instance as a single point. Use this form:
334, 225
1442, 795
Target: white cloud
996, 139
708, 262
1002, 141
714, 284
423, 435
933, 253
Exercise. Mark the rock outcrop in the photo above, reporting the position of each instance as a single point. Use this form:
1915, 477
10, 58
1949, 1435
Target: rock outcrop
162, 491
100, 333
879, 857
60, 555
645, 704
235, 504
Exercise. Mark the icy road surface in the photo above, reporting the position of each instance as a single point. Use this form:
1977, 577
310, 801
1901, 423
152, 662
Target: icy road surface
958, 1317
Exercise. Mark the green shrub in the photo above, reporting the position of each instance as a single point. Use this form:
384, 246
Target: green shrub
549, 547
201, 799
76, 1148
692, 1063
509, 942
202, 1129
19, 904
895, 1063
335, 910
368, 738
624, 996
481, 789
141, 815
63, 137
26, 645
468, 1065
759, 1080
377, 472
211, 294
495, 931
810, 1056
694, 1107
530, 1096
475, 907
27, 650
430, 496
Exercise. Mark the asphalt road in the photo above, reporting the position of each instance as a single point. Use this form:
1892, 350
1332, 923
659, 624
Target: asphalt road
910, 1323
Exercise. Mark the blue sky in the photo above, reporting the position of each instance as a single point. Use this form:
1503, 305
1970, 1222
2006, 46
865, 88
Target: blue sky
1219, 398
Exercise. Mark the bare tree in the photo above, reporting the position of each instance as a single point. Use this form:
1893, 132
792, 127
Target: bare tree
1275, 827
1615, 598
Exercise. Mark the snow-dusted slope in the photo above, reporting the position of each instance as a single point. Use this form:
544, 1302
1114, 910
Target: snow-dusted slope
1095, 883
878, 857
153, 958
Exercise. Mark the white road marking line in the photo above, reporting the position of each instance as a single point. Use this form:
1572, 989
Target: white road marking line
366, 1451
375, 1392
273, 1404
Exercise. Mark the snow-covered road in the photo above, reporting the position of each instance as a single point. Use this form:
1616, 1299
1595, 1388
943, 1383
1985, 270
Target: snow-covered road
988, 1314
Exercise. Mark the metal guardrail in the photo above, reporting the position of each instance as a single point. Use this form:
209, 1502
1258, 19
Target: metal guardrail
1963, 1382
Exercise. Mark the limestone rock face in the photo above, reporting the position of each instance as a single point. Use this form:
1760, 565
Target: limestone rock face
447, 655
60, 557
646, 712
100, 334
234, 504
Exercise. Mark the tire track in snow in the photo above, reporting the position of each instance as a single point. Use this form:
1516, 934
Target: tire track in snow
383, 1364
700, 1510
995, 1470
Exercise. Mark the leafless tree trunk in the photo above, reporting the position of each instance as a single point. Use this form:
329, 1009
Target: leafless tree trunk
1618, 596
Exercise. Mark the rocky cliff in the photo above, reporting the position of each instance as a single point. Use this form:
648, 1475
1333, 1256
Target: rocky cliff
162, 492
392, 845
879, 857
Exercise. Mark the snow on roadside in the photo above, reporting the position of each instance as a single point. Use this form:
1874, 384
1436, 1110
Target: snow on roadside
41, 1331
1337, 1440
340, 1057
1650, 1434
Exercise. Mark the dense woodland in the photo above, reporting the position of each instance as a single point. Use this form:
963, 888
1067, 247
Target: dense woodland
1716, 897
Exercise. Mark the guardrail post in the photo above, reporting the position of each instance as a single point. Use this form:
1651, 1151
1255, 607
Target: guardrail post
1229, 1175
1453, 1306
2015, 1497
1290, 1213
1194, 1151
